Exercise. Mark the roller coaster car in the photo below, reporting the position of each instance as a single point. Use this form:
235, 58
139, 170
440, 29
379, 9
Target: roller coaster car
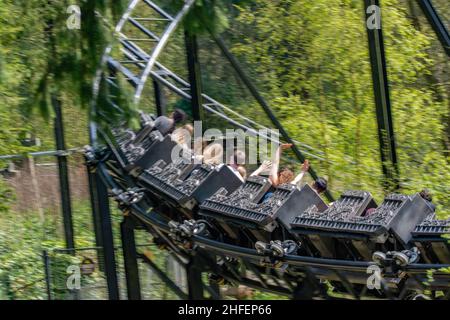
243, 208
331, 232
393, 220
186, 184
431, 237
139, 151
252, 191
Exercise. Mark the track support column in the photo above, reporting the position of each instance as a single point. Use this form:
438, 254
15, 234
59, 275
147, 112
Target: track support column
386, 134
96, 219
194, 279
103, 230
159, 99
195, 78
130, 259
109, 256
63, 174
48, 285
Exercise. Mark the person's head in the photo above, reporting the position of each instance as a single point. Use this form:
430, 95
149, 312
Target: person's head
426, 194
178, 116
285, 176
320, 185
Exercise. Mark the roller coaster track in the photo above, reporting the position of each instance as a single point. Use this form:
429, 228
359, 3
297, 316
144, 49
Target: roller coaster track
135, 56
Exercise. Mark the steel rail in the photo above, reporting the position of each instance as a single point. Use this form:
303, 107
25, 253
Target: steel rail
107, 52
156, 220
41, 154
300, 261
323, 267
158, 9
437, 23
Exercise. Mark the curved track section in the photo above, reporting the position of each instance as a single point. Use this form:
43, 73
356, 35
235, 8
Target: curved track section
292, 275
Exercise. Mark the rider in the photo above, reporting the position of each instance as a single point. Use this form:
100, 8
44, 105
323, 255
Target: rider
286, 175
167, 125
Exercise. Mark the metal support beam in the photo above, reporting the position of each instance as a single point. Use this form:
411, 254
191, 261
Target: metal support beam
262, 102
46, 260
95, 206
107, 239
386, 134
130, 259
436, 23
102, 215
194, 280
63, 174
103, 229
195, 78
159, 99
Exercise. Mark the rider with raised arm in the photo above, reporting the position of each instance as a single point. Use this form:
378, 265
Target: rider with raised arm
286, 175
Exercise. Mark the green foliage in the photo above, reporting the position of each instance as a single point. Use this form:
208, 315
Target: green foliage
57, 60
23, 236
123, 97
267, 296
6, 196
205, 15
11, 76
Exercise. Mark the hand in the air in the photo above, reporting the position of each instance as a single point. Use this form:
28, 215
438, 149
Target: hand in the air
285, 146
305, 166
266, 165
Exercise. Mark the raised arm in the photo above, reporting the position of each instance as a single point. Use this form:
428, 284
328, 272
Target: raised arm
263, 167
299, 177
276, 163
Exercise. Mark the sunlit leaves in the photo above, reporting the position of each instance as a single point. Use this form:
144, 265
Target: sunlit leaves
205, 15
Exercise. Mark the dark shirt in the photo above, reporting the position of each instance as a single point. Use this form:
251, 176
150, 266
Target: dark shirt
164, 125
267, 196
